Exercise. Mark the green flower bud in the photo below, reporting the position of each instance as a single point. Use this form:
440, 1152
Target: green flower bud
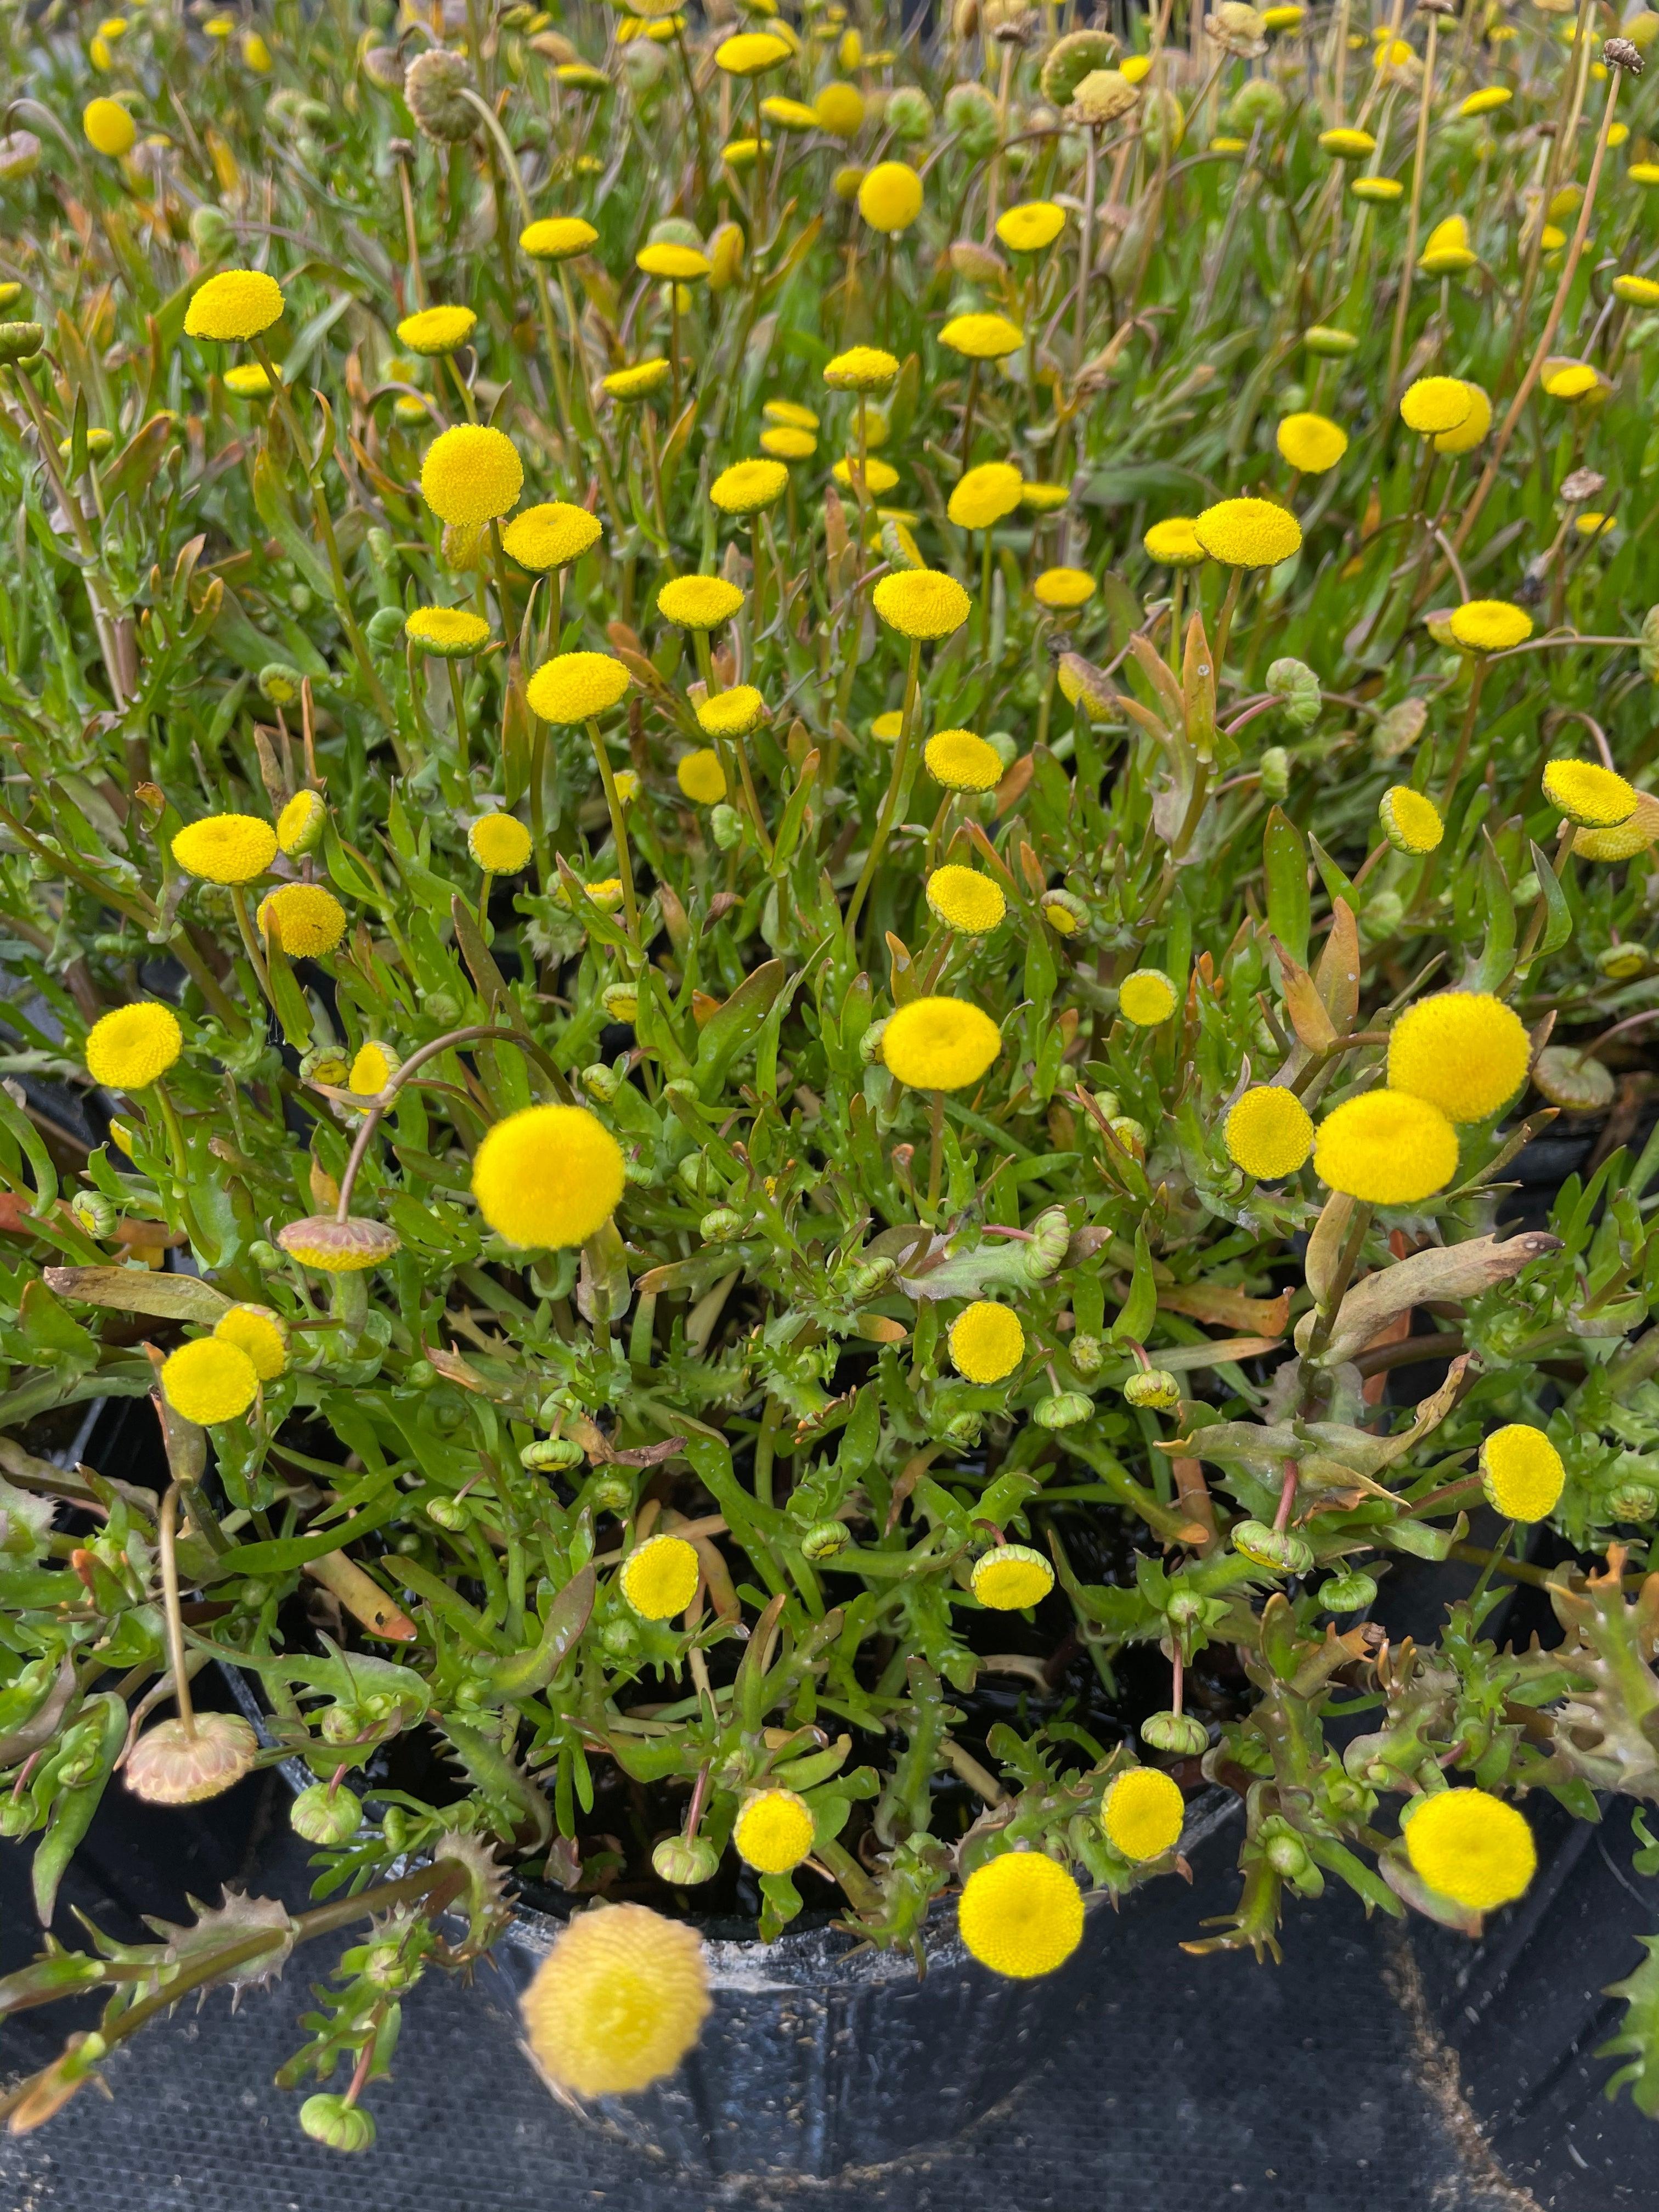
1088, 1355
1295, 683
619, 1638
824, 1539
264, 1256
1175, 1732
20, 341
869, 1043
964, 1430
1259, 100
1622, 963
1633, 1501
1131, 1135
1064, 913
330, 2120
94, 1211
910, 113
1281, 1549
450, 1513
621, 1000
720, 1224
385, 627
1285, 1851
1323, 339
1383, 912
1152, 1389
726, 826
1072, 58
548, 1454
970, 117
325, 1815
324, 1063
609, 1491
682, 1861
1275, 766
600, 1082
1063, 1411
1351, 1592
1051, 1233
279, 684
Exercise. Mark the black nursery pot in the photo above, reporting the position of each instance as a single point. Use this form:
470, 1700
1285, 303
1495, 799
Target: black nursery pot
821, 2055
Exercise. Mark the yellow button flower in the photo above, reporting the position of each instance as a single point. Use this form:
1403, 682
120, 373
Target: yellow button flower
1490, 625
879, 477
698, 602
784, 442
1247, 533
548, 1177
1031, 226
1435, 403
1471, 1847
210, 1381
659, 1578
574, 687
1640, 291
1269, 1133
1143, 1812
748, 486
237, 303
840, 110
966, 900
773, 1831
748, 53
434, 331
1174, 543
557, 238
676, 264
701, 777
339, 1247
862, 369
1487, 102
890, 197
921, 603
1346, 143
1381, 191
940, 1044
304, 918
962, 762
226, 849
1011, 1577
109, 131
731, 713
1311, 443
1021, 1914
1466, 1052
248, 380
1447, 251
262, 1334
1146, 998
618, 2000
471, 474
986, 1341
132, 1047
1386, 1147
984, 495
447, 633
1063, 589
1573, 379
1522, 1473
639, 379
1594, 796
550, 535
1411, 822
982, 336
499, 843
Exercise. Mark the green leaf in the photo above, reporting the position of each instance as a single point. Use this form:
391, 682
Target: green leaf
1558, 924
1284, 857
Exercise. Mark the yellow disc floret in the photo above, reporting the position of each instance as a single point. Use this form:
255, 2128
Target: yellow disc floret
1021, 1914
862, 369
1173, 543
304, 918
131, 1047
940, 1044
436, 331
447, 633
1011, 1577
1471, 1847
226, 849
208, 1381
548, 1177
1466, 1052
674, 264
921, 603
1063, 589
237, 303
1269, 1133
1594, 796
1386, 1147
110, 130
573, 687
1031, 226
499, 843
618, 2000
1410, 821
472, 473
1522, 1473
773, 1831
1312, 443
262, 1334
557, 238
986, 1341
1146, 998
698, 602
747, 487
890, 198
550, 535
1490, 625
983, 496
1143, 1812
966, 900
1434, 405
981, 336
700, 777
732, 713
962, 762
659, 1578
1247, 533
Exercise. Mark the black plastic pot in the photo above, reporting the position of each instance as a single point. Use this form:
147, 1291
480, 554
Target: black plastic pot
822, 2054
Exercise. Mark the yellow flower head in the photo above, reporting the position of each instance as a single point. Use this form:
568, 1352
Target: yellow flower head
879, 476
1312, 443
983, 496
940, 1044
373, 1067
1522, 1473
698, 602
1411, 822
1061, 589
1386, 1147
1286, 18
862, 369
701, 777
747, 487
262, 1334
981, 336
618, 2000
1268, 1132
1592, 796
1146, 998
731, 713
921, 603
471, 474
1466, 1052
1435, 403
1471, 1847
784, 442
639, 379
110, 131
675, 264
791, 414
132, 1047
550, 535
435, 330
1021, 1914
1447, 250
226, 849
986, 1341
248, 380
1031, 226
789, 114
1490, 625
1044, 498
548, 1177
208, 1381
557, 238
1143, 1812
965, 901
1640, 291
890, 197
1644, 173
304, 918
962, 762
1382, 191
1574, 380
1247, 533
573, 687
499, 843
840, 110
237, 303
773, 1831
1174, 543
1011, 1577
1490, 97
659, 1578
887, 729
1346, 143
447, 633
749, 53
337, 1248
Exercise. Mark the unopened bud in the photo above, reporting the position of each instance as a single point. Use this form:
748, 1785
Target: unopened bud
1152, 1389
684, 1860
1175, 1732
